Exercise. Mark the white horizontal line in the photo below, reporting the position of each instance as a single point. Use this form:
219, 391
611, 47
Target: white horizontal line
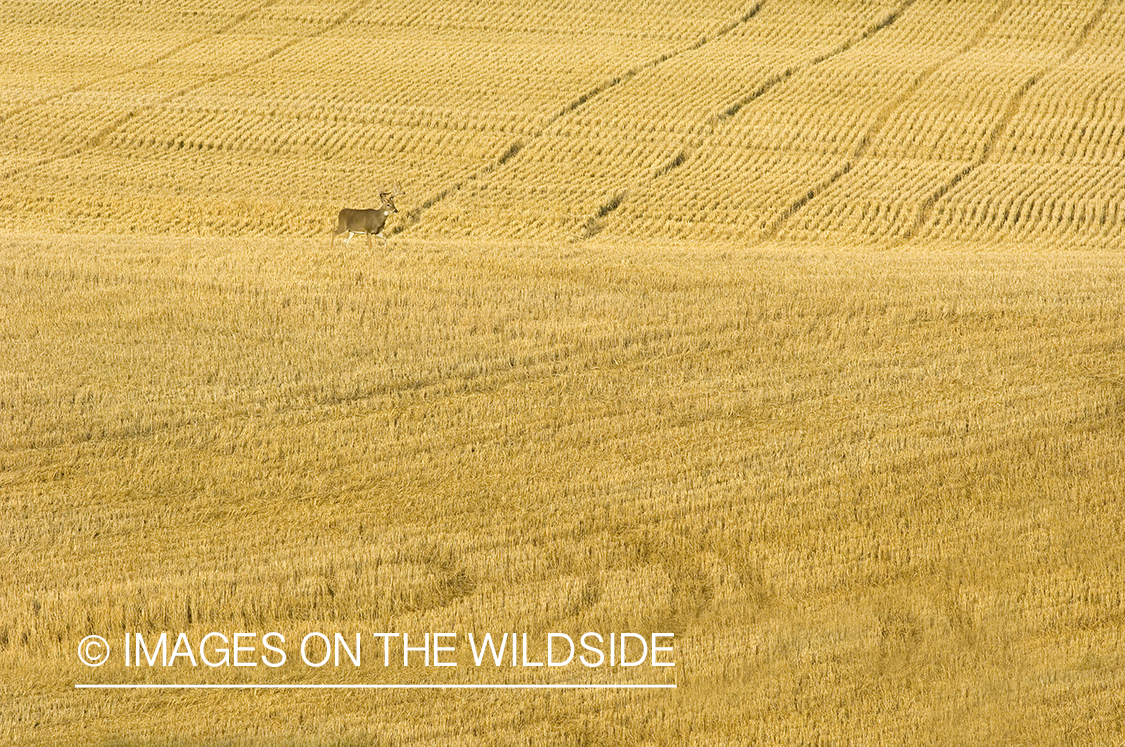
417, 686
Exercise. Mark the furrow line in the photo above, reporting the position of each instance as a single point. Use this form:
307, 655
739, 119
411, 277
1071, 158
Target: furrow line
697, 142
370, 401
413, 217
881, 120
100, 137
1014, 103
167, 54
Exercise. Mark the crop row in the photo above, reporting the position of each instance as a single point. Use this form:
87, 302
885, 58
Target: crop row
884, 120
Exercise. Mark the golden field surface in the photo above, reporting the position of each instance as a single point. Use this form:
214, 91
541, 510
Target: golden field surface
794, 330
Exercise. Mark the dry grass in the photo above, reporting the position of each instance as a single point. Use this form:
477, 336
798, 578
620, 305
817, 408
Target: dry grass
795, 329
870, 121
876, 495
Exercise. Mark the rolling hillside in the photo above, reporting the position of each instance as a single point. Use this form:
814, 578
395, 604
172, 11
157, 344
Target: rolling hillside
848, 120
794, 330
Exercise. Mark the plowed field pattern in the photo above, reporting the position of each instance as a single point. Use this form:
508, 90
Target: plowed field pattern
793, 329
716, 121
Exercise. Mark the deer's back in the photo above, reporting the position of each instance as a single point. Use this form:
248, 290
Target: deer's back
360, 220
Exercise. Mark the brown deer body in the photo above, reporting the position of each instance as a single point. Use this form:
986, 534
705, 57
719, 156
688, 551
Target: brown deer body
370, 222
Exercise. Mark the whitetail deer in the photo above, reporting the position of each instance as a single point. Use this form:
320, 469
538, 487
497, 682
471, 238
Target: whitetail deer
367, 221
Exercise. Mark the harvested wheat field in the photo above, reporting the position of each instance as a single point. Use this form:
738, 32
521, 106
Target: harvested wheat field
730, 373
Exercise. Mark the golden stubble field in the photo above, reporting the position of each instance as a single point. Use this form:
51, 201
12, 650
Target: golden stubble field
795, 330
877, 497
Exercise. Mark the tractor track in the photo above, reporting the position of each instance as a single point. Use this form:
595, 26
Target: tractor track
884, 115
163, 56
596, 223
925, 210
101, 135
414, 216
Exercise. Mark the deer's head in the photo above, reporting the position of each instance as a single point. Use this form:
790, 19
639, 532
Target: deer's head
388, 198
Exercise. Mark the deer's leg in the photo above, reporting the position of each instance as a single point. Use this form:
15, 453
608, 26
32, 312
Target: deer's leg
349, 239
